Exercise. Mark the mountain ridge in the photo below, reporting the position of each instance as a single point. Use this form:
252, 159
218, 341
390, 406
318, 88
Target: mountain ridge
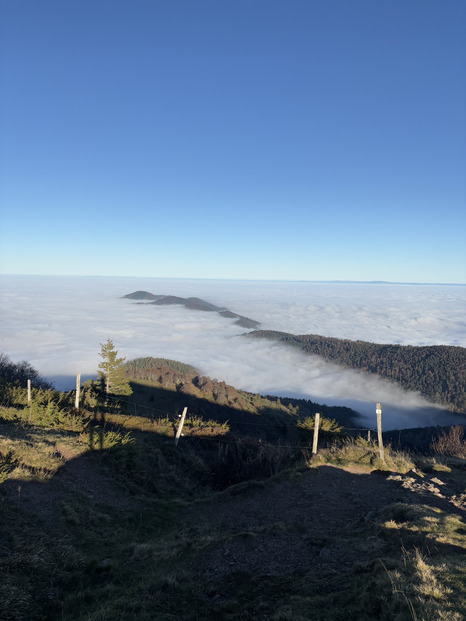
193, 303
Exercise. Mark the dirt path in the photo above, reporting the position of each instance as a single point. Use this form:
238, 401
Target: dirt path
301, 523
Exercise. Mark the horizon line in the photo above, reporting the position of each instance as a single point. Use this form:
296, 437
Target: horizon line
315, 281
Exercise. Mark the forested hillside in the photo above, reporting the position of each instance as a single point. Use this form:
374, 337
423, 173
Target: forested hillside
252, 414
437, 371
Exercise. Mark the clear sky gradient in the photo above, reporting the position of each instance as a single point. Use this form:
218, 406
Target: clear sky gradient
262, 139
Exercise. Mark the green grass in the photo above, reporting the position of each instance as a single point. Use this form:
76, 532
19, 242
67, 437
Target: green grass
358, 451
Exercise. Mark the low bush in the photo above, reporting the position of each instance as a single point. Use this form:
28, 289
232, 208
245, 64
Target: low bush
451, 443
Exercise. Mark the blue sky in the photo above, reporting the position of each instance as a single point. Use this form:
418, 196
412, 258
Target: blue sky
261, 139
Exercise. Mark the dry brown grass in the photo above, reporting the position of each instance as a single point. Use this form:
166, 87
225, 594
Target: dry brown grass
451, 443
361, 452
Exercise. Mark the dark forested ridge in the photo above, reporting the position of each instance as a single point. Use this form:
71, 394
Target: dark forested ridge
437, 371
193, 304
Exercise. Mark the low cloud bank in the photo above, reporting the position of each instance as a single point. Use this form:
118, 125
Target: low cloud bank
57, 323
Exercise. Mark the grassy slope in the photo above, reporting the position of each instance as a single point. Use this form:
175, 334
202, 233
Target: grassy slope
139, 529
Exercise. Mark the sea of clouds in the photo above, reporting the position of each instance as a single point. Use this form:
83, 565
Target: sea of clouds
57, 324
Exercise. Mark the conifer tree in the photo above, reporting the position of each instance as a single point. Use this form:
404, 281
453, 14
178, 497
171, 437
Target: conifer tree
112, 371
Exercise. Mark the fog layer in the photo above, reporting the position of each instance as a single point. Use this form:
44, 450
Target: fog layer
57, 324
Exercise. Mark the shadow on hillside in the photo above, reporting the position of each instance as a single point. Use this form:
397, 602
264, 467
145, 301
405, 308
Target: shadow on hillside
115, 507
102, 490
129, 454
262, 417
108, 475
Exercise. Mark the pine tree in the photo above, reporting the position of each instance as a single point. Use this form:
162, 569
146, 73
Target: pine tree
112, 371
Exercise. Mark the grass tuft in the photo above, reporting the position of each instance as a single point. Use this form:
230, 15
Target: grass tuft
361, 452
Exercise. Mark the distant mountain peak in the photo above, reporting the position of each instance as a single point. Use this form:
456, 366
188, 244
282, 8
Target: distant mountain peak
141, 295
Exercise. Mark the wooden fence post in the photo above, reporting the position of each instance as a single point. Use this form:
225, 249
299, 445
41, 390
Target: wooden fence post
316, 433
368, 435
29, 400
180, 426
78, 390
378, 410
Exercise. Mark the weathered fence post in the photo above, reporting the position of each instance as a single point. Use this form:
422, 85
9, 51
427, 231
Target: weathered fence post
316, 433
368, 435
29, 401
180, 426
378, 410
78, 390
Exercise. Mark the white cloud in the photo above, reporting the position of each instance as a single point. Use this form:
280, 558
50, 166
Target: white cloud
57, 323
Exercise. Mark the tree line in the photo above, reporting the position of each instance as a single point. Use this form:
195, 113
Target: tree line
437, 371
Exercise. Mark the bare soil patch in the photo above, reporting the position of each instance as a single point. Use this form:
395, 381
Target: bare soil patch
318, 520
